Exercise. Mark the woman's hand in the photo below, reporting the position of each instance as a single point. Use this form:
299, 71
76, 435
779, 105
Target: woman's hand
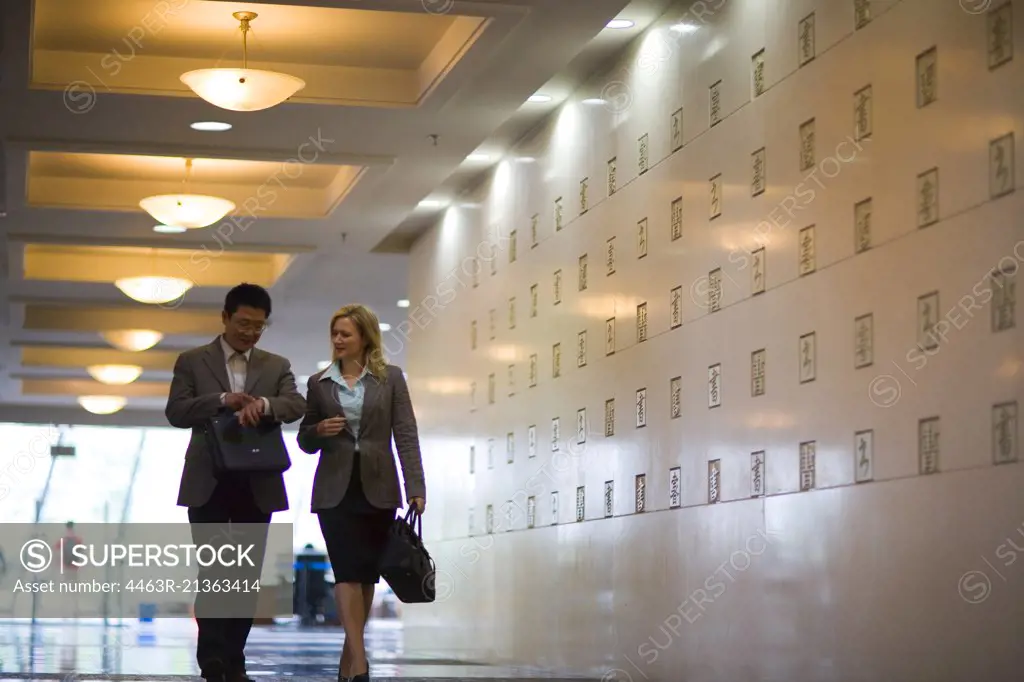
419, 503
330, 427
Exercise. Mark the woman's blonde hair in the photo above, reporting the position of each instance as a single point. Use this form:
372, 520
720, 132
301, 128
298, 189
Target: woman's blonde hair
368, 325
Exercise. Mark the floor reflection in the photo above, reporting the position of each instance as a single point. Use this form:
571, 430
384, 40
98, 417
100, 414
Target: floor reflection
163, 649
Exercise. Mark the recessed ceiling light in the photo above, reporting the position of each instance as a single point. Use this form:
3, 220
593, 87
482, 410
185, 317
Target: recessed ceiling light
620, 23
539, 98
403, 303
168, 229
684, 27
211, 126
593, 100
478, 157
385, 327
431, 203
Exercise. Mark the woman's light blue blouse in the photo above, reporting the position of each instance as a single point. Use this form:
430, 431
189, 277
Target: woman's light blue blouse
350, 398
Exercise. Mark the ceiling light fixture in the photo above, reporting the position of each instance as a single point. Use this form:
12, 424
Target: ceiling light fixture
132, 340
620, 24
403, 303
102, 404
594, 100
187, 210
684, 27
153, 290
169, 229
385, 327
210, 126
431, 203
114, 375
539, 98
242, 89
478, 157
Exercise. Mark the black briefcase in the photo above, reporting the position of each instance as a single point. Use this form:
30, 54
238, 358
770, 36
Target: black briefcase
405, 564
246, 449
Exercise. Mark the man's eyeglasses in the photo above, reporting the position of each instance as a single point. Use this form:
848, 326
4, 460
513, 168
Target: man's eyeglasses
247, 326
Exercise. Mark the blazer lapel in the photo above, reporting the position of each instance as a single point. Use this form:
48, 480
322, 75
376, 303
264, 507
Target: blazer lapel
371, 398
214, 359
257, 362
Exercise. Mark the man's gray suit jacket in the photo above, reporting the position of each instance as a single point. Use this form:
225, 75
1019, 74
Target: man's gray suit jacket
200, 377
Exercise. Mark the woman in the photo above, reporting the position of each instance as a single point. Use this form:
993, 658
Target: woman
353, 408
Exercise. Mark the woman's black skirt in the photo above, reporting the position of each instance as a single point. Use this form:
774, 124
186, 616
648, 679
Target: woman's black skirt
355, 533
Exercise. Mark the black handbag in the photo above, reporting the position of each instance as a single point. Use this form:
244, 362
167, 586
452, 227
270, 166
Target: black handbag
246, 449
405, 564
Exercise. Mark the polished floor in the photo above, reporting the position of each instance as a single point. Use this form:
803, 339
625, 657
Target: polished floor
163, 650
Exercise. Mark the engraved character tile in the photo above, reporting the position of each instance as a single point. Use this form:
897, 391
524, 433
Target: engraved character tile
1004, 299
531, 511
758, 276
609, 418
643, 154
489, 519
472, 459
677, 219
640, 493
675, 400
531, 441
512, 239
757, 73
805, 46
676, 130
862, 225
927, 319
1002, 167
472, 335
757, 473
928, 445
556, 433
863, 113
807, 464
808, 154
610, 257
861, 13
714, 481
641, 238
533, 370
808, 358
714, 386
490, 453
534, 237
512, 313
808, 259
716, 103
558, 287
609, 498
999, 29
716, 196
675, 488
759, 179
511, 380
510, 447
715, 290
641, 323
641, 408
556, 361
928, 198
609, 336
490, 388
864, 456
558, 214
613, 181
864, 341
554, 507
927, 77
533, 300
580, 503
584, 183
581, 426
676, 307
757, 372
581, 349
582, 277
1004, 433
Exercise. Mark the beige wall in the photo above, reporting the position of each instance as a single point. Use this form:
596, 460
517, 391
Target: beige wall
834, 541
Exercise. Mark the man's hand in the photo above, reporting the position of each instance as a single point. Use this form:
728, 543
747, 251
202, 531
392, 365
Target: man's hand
236, 401
419, 503
330, 427
251, 414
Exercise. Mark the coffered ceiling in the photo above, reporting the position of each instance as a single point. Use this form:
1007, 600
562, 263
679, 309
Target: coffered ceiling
326, 187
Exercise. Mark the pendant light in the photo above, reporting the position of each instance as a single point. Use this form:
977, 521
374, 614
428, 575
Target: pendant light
154, 289
132, 340
186, 210
242, 89
114, 375
102, 404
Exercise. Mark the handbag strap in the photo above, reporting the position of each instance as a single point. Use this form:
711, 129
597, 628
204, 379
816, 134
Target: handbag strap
415, 519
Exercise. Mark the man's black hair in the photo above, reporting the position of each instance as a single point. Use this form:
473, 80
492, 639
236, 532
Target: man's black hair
249, 295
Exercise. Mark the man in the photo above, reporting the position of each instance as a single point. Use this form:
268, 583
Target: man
230, 374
